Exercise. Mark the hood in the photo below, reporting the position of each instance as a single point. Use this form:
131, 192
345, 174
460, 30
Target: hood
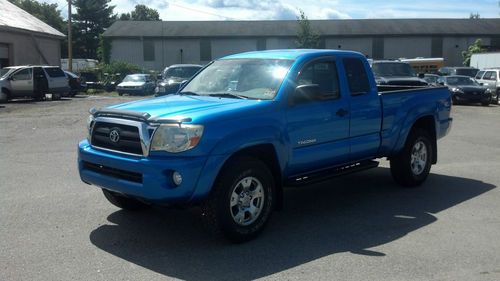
194, 107
131, 83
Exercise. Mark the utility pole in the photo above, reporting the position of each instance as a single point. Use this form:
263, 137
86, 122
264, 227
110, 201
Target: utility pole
70, 43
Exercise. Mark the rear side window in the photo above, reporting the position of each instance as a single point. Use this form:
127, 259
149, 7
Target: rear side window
357, 79
489, 75
54, 72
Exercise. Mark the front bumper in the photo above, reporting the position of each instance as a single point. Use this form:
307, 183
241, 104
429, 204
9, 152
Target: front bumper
469, 97
147, 178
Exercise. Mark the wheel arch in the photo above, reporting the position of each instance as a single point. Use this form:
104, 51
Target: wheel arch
267, 153
427, 123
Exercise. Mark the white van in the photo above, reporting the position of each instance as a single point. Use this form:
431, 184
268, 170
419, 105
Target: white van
32, 81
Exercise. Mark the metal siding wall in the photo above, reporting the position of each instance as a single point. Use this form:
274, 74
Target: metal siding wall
454, 46
23, 50
362, 45
224, 47
129, 50
378, 48
407, 47
437, 47
280, 43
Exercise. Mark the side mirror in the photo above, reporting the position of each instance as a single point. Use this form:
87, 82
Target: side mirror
441, 83
481, 84
306, 93
421, 75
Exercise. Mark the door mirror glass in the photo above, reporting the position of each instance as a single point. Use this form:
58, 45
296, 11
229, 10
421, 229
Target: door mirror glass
306, 93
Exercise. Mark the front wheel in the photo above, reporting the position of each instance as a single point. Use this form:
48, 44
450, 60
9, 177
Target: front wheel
123, 202
412, 165
242, 200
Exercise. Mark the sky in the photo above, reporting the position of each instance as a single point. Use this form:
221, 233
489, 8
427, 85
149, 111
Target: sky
189, 10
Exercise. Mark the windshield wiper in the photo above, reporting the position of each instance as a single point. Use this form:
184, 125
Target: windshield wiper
228, 95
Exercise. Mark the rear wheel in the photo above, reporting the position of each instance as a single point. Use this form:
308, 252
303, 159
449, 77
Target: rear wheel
4, 97
242, 200
123, 202
412, 165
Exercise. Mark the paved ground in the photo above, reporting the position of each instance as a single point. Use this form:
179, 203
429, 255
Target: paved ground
360, 227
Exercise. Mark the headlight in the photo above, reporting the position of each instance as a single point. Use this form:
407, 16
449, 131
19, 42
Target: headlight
176, 137
456, 90
90, 123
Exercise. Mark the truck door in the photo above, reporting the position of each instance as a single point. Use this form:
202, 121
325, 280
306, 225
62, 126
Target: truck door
318, 128
365, 109
21, 82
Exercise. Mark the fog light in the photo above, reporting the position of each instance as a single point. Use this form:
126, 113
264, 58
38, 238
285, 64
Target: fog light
177, 178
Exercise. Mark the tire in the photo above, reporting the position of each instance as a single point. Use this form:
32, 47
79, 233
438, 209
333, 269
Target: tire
123, 202
454, 100
406, 169
4, 97
244, 184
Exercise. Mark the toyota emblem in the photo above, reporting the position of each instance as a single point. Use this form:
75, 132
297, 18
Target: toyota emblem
114, 136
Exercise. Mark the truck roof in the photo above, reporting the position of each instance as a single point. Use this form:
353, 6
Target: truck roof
290, 54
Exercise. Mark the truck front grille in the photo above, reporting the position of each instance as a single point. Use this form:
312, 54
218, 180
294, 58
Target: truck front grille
125, 138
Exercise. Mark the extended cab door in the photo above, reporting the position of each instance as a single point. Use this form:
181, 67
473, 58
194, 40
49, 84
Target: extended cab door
318, 128
365, 109
21, 82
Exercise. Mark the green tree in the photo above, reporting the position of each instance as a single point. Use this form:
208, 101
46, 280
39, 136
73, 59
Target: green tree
474, 16
142, 13
307, 38
90, 21
474, 48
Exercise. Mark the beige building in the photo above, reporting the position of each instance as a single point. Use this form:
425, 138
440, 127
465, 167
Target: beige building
154, 45
25, 39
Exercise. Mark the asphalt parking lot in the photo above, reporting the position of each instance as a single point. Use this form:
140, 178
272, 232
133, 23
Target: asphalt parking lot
358, 227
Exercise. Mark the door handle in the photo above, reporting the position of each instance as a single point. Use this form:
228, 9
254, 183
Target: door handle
342, 112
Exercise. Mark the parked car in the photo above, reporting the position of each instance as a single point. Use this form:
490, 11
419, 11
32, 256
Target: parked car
91, 81
464, 89
173, 76
395, 73
75, 83
136, 84
250, 124
458, 70
490, 78
32, 82
431, 79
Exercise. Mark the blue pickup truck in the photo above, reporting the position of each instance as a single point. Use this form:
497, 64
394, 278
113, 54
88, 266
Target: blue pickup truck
250, 124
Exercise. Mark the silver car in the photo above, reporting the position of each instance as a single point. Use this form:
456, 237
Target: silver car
32, 81
490, 78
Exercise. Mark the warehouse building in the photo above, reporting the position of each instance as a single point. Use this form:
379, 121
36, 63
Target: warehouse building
154, 45
24, 39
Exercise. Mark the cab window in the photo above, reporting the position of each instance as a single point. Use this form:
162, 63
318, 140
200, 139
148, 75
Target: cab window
323, 74
24, 74
479, 74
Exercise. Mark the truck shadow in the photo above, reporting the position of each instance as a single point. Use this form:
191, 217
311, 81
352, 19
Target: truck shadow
348, 214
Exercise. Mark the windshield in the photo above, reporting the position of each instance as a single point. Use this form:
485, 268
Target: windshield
181, 72
471, 72
459, 81
247, 78
392, 69
135, 78
430, 79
